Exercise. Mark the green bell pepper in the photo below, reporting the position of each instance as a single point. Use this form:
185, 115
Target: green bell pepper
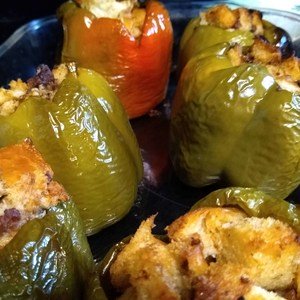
254, 203
197, 37
85, 135
233, 123
49, 258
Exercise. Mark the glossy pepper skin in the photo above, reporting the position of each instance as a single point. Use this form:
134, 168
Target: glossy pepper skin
234, 124
49, 258
85, 135
254, 203
198, 37
137, 69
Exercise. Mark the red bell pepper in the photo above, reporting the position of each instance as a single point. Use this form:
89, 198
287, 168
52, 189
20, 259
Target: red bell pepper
136, 68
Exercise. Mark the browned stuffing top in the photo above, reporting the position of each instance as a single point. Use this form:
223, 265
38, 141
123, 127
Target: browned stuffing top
26, 188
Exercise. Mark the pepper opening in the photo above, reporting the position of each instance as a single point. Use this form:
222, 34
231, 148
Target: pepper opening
241, 18
44, 84
128, 12
286, 71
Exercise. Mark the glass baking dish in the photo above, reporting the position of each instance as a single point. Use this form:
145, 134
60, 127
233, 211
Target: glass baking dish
160, 191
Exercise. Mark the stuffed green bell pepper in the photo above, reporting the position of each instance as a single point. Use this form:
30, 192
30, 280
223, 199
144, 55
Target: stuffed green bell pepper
80, 127
236, 243
236, 119
44, 253
220, 24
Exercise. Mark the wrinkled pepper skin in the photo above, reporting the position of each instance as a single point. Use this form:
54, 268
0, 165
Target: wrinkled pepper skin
234, 124
84, 134
254, 203
198, 37
49, 258
137, 69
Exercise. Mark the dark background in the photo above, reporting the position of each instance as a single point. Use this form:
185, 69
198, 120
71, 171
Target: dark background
13, 14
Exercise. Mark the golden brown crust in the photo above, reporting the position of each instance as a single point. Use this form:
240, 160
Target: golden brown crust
20, 159
216, 253
215, 287
249, 20
23, 159
26, 188
221, 16
265, 53
143, 277
241, 18
286, 71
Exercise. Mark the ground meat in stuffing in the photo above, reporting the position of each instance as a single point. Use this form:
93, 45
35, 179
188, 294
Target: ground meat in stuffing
9, 220
44, 76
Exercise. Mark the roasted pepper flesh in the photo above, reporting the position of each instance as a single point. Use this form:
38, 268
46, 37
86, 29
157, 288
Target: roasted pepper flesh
93, 151
136, 68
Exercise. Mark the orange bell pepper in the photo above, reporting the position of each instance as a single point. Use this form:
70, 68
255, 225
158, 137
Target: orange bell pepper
136, 68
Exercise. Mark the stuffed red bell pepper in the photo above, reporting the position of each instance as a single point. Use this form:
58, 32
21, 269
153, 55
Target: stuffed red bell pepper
129, 43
